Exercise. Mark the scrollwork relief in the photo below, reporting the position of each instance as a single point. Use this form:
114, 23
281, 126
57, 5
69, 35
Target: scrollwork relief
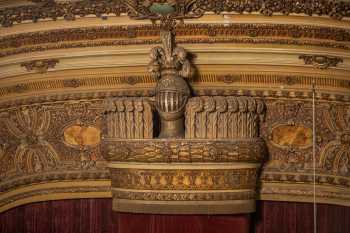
303, 35
33, 144
292, 162
288, 114
335, 156
180, 9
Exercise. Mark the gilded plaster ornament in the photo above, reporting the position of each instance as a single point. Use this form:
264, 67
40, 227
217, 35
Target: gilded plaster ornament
170, 65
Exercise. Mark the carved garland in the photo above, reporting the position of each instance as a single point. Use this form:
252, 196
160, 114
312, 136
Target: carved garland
244, 150
137, 9
122, 35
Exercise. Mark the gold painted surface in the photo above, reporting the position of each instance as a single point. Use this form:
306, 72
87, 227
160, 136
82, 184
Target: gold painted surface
54, 191
259, 60
185, 207
82, 135
290, 135
184, 179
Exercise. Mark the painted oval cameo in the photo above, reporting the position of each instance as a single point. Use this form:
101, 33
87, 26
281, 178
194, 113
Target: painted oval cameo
292, 135
77, 135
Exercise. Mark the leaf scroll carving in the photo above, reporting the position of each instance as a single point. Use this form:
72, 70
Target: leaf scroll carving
223, 117
129, 118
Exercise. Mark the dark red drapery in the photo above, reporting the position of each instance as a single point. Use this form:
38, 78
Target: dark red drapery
96, 216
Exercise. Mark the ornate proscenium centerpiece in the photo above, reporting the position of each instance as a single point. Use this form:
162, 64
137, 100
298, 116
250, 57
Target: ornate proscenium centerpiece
213, 170
208, 167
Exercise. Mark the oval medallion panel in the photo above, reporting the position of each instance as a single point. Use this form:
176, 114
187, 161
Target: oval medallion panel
292, 135
77, 135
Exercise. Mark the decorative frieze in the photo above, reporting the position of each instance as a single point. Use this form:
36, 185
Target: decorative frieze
183, 196
184, 179
182, 151
190, 188
283, 34
288, 166
54, 10
242, 84
183, 9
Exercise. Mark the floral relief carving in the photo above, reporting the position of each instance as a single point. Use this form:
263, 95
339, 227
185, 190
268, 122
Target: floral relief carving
335, 156
293, 163
33, 142
30, 127
32, 149
22, 43
184, 179
290, 115
181, 9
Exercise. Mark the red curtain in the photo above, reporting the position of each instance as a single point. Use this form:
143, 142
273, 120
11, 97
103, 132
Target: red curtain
96, 216
65, 216
134, 223
291, 217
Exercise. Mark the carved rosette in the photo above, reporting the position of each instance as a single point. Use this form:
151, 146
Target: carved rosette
33, 153
210, 173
